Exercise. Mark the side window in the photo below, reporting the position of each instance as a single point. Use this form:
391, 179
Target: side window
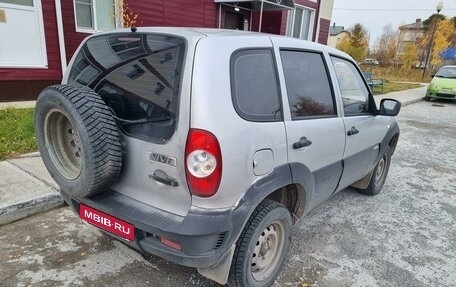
254, 85
355, 95
308, 87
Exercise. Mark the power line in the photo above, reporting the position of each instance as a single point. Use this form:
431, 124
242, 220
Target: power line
388, 10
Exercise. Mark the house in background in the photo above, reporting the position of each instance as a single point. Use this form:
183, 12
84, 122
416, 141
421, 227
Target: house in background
409, 34
336, 34
38, 37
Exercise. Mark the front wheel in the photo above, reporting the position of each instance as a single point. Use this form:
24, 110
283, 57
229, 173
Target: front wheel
262, 247
379, 174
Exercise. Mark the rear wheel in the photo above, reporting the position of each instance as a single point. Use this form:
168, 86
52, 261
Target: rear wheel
262, 247
379, 174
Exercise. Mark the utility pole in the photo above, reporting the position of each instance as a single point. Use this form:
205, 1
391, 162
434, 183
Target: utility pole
431, 41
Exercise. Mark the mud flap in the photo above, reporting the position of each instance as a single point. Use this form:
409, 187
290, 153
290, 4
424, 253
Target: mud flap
364, 182
220, 271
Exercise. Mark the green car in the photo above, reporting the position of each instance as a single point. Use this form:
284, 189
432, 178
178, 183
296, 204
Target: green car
443, 84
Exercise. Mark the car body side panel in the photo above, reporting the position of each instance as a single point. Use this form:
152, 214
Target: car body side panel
213, 110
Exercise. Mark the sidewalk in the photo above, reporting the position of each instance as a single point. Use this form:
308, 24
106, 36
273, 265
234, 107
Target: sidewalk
26, 188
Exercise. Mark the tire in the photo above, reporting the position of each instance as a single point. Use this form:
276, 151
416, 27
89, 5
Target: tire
379, 175
427, 99
268, 230
78, 139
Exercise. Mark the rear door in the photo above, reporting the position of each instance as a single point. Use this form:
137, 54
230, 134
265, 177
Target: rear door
144, 79
315, 132
364, 129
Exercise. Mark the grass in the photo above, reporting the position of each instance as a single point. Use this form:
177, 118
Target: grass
17, 132
389, 87
392, 73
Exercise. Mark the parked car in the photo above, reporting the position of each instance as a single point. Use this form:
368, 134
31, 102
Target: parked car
205, 146
368, 61
443, 84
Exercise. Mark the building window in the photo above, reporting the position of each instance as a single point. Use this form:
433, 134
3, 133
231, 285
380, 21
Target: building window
300, 23
94, 15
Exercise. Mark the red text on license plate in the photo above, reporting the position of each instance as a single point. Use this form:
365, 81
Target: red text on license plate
107, 222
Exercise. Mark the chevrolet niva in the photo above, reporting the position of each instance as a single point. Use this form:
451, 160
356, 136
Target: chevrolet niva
205, 146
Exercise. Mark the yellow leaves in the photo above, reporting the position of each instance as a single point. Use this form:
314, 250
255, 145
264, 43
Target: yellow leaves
443, 35
410, 56
356, 44
125, 15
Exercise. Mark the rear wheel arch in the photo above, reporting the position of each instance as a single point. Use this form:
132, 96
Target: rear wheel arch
293, 196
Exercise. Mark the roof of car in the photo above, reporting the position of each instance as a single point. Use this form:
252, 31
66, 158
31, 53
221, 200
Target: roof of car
189, 32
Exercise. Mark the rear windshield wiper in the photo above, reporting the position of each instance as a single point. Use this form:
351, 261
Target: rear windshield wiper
143, 120
161, 118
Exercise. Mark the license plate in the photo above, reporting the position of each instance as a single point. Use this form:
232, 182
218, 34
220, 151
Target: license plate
107, 222
449, 92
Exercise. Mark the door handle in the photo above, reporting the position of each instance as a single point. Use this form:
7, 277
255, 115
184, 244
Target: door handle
353, 131
162, 177
303, 142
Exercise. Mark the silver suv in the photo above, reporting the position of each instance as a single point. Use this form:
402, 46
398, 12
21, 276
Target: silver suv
204, 146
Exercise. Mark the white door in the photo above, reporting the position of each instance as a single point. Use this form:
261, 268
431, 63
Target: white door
22, 43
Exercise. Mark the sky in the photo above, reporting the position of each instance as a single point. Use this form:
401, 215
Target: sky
374, 15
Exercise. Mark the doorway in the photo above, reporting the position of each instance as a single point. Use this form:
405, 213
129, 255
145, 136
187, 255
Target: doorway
234, 20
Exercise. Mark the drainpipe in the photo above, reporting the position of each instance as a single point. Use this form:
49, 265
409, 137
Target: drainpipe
58, 14
261, 16
316, 32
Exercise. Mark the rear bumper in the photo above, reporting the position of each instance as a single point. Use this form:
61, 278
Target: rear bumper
204, 235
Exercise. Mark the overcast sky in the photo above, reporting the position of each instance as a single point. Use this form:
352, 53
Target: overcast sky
374, 15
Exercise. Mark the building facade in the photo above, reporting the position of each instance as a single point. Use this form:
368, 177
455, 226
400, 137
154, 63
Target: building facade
336, 34
42, 35
409, 34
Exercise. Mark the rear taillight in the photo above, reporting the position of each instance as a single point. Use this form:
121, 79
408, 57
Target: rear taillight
203, 160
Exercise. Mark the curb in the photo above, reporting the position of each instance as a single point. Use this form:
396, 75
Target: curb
34, 206
412, 101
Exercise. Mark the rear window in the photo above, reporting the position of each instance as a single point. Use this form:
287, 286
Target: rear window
139, 78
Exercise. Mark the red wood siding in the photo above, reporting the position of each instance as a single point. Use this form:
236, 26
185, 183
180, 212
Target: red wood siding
197, 13
324, 31
53, 71
72, 38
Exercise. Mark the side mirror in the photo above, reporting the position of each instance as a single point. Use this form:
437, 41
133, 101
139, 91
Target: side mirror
389, 107
432, 75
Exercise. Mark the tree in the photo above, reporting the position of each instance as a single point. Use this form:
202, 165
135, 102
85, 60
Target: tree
124, 15
386, 45
356, 44
444, 35
410, 56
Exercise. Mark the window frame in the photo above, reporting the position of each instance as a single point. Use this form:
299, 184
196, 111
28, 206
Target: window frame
94, 18
291, 17
249, 117
39, 21
331, 85
373, 110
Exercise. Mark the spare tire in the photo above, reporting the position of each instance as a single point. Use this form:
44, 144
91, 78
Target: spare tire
78, 139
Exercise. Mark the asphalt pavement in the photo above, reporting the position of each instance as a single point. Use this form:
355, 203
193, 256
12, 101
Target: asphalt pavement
405, 236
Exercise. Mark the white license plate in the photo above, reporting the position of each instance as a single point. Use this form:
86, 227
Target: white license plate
446, 92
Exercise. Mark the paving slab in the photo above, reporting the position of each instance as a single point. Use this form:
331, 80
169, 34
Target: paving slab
17, 105
33, 165
406, 97
23, 194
